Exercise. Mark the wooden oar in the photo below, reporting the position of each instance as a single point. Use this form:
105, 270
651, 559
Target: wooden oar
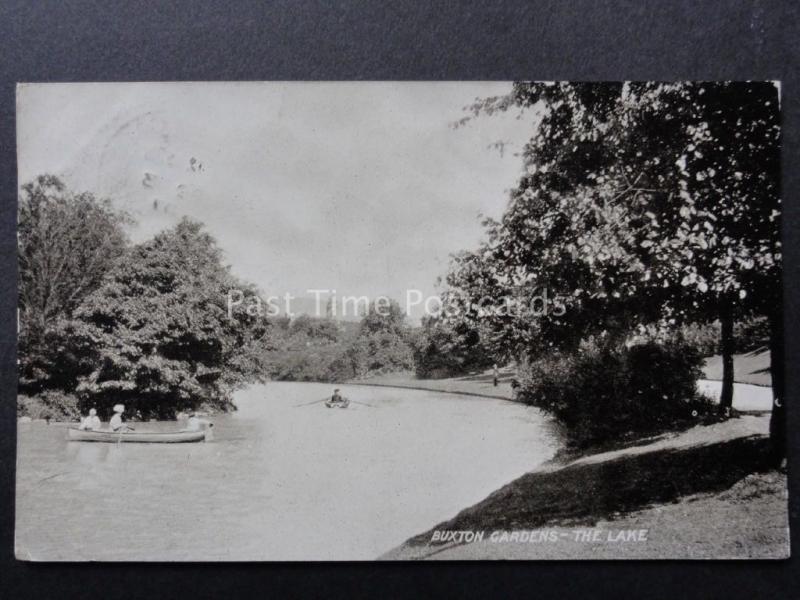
364, 403
310, 403
326, 399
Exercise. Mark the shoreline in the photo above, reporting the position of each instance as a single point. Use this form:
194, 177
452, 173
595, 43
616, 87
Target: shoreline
640, 486
706, 492
677, 484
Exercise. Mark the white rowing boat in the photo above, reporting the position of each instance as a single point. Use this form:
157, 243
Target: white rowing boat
143, 437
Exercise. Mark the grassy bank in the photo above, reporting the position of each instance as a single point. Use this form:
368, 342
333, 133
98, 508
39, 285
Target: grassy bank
703, 493
706, 492
751, 368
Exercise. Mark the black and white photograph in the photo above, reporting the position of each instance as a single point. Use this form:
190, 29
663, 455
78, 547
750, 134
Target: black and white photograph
400, 321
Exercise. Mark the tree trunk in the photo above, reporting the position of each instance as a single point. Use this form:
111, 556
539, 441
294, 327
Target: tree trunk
726, 349
777, 423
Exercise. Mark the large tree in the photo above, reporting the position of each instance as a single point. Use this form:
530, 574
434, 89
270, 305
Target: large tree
158, 334
646, 202
66, 244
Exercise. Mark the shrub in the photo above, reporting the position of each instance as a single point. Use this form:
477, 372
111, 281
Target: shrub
704, 337
751, 335
50, 404
380, 352
610, 392
748, 336
325, 364
443, 350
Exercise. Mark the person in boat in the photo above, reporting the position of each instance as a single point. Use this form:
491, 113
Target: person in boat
195, 423
116, 424
337, 400
91, 422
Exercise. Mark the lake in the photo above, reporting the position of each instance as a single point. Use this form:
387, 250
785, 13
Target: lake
279, 481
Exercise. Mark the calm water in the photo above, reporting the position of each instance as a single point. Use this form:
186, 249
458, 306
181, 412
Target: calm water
278, 482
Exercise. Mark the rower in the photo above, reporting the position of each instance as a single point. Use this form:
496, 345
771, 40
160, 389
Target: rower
337, 400
116, 424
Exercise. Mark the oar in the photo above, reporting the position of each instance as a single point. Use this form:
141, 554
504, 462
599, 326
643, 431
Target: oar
364, 403
326, 399
310, 403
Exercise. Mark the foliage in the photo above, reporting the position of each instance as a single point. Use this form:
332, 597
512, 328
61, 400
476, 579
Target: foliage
382, 344
702, 336
642, 204
157, 332
313, 329
50, 404
639, 202
326, 363
750, 335
444, 349
605, 391
322, 349
309, 349
66, 244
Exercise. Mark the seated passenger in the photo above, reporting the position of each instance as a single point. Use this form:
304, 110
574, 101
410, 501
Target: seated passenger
91, 422
195, 423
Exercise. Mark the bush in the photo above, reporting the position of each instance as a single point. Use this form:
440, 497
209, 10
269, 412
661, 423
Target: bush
704, 337
442, 350
380, 352
748, 336
609, 392
50, 404
751, 335
324, 364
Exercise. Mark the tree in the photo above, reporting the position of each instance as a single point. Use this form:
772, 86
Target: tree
158, 331
309, 349
315, 330
647, 201
382, 344
443, 348
66, 243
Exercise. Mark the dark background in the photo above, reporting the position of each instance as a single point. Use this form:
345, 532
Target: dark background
51, 40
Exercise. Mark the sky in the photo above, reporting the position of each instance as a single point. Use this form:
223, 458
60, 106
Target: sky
362, 188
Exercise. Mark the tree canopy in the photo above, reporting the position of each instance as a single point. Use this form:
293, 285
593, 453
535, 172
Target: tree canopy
639, 204
157, 333
66, 242
646, 200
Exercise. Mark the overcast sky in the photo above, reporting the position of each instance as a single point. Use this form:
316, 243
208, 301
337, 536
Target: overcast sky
360, 187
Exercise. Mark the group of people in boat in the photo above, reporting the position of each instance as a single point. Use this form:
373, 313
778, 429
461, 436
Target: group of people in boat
194, 422
92, 422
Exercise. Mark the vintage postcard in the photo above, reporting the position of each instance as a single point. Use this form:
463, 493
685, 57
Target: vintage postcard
268, 321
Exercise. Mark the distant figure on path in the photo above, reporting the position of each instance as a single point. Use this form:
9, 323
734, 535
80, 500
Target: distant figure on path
496, 374
91, 422
116, 424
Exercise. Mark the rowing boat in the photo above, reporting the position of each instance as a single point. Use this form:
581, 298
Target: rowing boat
343, 403
149, 437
